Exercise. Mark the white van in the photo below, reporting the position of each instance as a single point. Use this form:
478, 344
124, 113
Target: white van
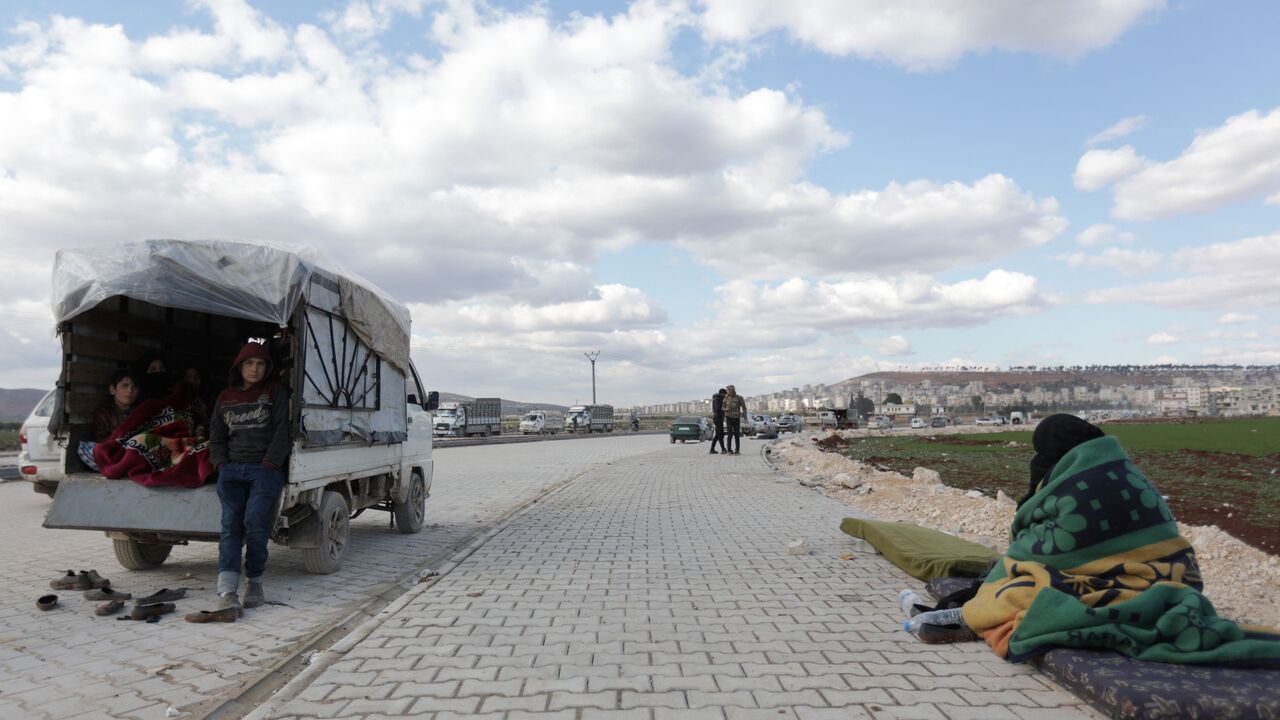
39, 454
918, 423
359, 416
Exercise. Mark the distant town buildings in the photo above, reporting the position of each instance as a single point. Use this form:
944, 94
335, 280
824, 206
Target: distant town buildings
1211, 390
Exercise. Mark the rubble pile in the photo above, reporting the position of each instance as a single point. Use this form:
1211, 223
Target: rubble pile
1242, 581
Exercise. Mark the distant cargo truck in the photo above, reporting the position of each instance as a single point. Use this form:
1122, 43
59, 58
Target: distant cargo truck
482, 416
589, 419
541, 422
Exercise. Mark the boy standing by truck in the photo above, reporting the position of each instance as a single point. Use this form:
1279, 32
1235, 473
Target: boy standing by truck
249, 445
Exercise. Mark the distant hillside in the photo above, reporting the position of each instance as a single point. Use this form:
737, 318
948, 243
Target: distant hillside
1099, 375
509, 407
16, 405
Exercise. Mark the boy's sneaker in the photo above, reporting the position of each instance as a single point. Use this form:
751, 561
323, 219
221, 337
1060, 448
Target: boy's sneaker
228, 601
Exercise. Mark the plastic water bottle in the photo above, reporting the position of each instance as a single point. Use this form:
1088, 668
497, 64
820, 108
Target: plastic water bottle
908, 599
933, 617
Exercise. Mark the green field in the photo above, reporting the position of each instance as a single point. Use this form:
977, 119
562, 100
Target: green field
1215, 472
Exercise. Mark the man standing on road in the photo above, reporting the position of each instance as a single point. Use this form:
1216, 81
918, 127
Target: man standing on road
717, 416
734, 408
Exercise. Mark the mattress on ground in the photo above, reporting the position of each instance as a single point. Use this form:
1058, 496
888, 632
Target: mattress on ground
1129, 689
923, 553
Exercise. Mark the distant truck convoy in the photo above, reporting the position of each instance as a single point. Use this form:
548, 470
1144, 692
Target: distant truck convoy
482, 416
541, 422
589, 419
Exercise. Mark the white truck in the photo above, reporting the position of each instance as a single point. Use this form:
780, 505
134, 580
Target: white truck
358, 415
541, 422
589, 419
482, 416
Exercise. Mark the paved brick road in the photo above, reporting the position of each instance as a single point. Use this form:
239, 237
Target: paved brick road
68, 663
659, 588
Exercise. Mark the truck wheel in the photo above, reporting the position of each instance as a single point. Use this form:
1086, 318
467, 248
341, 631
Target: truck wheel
673, 441
410, 513
134, 555
335, 531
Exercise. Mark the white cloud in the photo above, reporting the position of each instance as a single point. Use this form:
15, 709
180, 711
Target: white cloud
1235, 318
1103, 234
892, 346
1166, 360
1099, 168
1238, 274
1127, 262
1238, 160
1163, 338
1242, 355
1124, 127
929, 34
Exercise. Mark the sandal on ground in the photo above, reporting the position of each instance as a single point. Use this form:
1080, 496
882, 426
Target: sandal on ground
161, 596
225, 615
110, 607
106, 593
146, 612
47, 602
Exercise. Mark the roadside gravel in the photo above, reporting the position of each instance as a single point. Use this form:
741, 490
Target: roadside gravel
1243, 582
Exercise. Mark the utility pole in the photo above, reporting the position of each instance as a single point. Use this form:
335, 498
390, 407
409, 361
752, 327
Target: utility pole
592, 357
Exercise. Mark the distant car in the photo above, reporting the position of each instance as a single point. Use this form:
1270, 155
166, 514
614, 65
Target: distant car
987, 420
39, 457
880, 422
764, 426
918, 423
690, 427
938, 422
790, 423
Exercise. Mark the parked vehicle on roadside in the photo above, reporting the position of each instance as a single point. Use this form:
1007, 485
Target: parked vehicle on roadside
1017, 417
937, 421
482, 416
691, 427
918, 423
790, 423
589, 419
763, 426
881, 422
541, 422
40, 453
987, 420
360, 417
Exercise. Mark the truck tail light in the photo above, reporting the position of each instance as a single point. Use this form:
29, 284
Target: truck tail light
29, 470
22, 437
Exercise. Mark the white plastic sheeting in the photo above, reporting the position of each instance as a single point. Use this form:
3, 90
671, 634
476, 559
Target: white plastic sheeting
255, 281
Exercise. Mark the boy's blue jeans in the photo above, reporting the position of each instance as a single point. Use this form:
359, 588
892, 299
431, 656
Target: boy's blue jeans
248, 492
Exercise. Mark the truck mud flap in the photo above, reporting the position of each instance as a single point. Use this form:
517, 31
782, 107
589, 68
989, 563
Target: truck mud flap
125, 506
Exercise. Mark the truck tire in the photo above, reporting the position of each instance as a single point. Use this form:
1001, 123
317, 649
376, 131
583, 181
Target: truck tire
410, 513
134, 555
335, 534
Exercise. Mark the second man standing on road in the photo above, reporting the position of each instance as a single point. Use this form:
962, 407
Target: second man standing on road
717, 416
734, 408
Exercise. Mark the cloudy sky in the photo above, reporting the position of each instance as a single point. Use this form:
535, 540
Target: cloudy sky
706, 191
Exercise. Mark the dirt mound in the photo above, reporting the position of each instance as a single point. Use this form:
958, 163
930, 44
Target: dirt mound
831, 443
1242, 581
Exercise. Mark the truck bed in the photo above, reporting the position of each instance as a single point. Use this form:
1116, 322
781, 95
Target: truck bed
92, 502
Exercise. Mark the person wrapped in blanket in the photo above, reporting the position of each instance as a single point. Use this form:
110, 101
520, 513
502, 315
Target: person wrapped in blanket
155, 442
1095, 561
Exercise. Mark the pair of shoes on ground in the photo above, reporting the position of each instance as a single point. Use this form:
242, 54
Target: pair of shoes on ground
83, 580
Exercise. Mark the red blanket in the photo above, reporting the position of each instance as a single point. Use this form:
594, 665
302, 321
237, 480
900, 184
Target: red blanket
160, 444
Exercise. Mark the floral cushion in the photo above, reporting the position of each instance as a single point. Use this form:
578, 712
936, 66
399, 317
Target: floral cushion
1126, 688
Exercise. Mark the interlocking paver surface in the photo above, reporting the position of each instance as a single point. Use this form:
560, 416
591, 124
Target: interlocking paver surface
68, 662
659, 587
